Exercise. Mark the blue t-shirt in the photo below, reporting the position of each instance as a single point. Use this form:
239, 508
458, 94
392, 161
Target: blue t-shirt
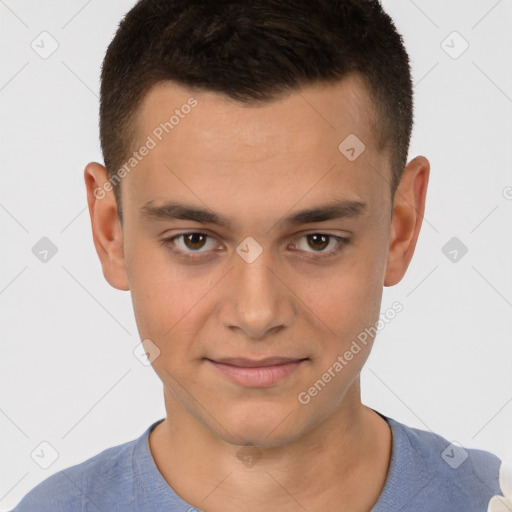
427, 473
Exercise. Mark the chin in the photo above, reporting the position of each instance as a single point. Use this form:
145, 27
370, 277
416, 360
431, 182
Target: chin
271, 428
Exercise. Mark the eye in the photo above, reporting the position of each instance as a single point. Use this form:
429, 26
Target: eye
189, 243
320, 241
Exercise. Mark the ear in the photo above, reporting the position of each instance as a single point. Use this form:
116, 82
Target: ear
408, 209
106, 227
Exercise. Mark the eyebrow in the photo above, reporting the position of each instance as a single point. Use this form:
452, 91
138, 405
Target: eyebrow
339, 209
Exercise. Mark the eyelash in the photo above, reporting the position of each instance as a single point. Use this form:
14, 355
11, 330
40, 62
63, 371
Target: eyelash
169, 242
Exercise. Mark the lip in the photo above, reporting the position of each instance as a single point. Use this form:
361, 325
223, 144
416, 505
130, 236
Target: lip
257, 373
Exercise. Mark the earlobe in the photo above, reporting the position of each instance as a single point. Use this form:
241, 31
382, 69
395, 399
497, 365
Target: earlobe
407, 218
106, 227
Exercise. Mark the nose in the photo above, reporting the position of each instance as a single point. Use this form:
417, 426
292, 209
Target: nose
257, 301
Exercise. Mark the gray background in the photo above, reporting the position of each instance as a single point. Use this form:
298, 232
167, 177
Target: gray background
68, 374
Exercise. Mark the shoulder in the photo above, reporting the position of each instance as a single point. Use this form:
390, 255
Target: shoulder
82, 486
448, 473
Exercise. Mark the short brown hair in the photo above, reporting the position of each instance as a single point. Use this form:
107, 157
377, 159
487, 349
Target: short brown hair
251, 51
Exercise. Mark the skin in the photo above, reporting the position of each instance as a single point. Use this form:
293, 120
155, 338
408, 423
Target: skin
256, 165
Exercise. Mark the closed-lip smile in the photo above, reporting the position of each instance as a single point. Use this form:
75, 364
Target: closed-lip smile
252, 363
265, 372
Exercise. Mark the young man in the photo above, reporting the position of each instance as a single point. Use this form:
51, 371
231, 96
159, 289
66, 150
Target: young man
255, 199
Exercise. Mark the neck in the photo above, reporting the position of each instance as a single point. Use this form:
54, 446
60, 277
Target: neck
341, 463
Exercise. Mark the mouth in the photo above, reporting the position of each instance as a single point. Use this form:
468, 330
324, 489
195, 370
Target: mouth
257, 373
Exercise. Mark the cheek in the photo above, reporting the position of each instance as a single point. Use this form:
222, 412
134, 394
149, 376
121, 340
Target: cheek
168, 299
346, 300
344, 309
155, 288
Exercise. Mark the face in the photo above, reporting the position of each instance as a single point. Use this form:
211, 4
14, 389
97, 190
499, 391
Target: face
250, 238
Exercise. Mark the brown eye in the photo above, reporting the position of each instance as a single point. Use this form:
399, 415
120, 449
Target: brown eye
321, 245
194, 241
190, 244
318, 241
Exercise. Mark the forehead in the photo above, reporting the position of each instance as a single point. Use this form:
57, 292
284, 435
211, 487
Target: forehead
209, 146
304, 115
